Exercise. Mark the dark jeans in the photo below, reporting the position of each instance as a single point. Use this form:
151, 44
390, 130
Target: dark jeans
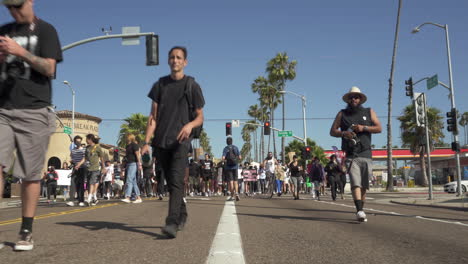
79, 178
333, 180
173, 163
52, 189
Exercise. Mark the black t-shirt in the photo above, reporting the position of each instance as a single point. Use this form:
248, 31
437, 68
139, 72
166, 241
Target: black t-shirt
29, 89
130, 152
294, 170
173, 109
207, 167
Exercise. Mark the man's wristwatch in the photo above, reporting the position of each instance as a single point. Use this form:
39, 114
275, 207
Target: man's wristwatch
366, 128
145, 143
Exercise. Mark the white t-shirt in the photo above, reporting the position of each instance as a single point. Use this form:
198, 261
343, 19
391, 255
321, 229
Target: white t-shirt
262, 174
270, 165
110, 171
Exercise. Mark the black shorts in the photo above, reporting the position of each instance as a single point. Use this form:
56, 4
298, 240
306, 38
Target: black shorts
231, 175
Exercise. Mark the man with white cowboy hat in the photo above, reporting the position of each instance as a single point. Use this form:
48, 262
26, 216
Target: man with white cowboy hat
355, 125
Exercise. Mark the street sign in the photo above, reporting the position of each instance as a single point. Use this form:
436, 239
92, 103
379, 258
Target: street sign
130, 41
285, 133
432, 82
67, 130
236, 123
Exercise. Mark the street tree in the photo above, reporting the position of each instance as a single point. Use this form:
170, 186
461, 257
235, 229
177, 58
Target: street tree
464, 122
297, 146
247, 129
134, 124
204, 142
413, 136
280, 69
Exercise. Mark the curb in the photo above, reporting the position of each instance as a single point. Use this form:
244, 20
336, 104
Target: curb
456, 208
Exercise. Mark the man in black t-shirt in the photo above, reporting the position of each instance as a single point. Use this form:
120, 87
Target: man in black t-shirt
29, 52
170, 124
207, 174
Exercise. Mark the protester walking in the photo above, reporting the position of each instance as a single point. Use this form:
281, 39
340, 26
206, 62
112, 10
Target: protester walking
176, 113
333, 170
133, 166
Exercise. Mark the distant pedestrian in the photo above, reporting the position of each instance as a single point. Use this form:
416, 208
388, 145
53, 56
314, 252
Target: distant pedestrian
176, 110
108, 179
194, 175
316, 176
207, 173
79, 173
51, 178
29, 53
269, 164
280, 173
231, 157
355, 125
294, 169
333, 170
133, 166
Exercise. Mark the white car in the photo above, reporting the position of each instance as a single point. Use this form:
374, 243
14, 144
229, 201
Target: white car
451, 187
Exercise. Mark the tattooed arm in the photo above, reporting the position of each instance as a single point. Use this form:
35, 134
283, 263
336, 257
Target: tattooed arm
45, 66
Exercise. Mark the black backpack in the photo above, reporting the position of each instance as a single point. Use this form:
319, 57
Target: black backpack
231, 158
196, 131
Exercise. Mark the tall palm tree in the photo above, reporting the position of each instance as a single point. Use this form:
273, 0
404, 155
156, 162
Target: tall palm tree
204, 142
464, 122
280, 70
269, 97
390, 101
136, 125
255, 112
247, 147
414, 137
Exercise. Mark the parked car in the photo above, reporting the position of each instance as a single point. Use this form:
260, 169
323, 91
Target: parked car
451, 187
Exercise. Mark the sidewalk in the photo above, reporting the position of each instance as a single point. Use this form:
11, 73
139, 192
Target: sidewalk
437, 202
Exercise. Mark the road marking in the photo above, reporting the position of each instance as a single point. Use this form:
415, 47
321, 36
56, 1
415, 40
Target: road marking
394, 213
227, 243
18, 220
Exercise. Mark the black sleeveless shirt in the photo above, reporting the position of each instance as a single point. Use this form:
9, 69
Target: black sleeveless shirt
361, 116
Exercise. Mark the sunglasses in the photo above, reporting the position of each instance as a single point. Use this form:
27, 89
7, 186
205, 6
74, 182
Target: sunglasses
354, 97
15, 6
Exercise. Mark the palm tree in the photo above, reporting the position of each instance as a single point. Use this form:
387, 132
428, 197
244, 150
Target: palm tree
270, 98
464, 122
136, 125
247, 147
390, 98
414, 137
204, 142
255, 112
280, 70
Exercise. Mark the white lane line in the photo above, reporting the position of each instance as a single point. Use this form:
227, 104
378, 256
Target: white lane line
394, 213
227, 243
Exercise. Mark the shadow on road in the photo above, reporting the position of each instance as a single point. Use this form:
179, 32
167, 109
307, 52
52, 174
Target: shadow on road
98, 225
322, 219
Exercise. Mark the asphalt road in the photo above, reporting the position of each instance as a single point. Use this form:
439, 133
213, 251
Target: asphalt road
278, 230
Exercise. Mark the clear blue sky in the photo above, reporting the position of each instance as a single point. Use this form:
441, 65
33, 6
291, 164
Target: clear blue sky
337, 43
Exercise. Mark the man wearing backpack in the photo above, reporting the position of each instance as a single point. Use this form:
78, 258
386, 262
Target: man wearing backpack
231, 157
176, 112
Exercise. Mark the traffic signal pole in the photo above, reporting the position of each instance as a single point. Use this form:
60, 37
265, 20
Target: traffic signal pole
84, 41
428, 147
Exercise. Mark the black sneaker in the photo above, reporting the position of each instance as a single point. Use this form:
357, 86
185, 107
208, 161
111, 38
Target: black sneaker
25, 242
181, 225
160, 197
170, 230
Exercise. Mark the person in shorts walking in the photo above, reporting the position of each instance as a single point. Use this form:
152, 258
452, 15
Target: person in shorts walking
29, 53
231, 156
355, 125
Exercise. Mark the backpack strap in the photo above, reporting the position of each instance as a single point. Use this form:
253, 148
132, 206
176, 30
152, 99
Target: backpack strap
189, 91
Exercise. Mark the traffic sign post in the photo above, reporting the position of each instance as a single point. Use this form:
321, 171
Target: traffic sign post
285, 133
432, 82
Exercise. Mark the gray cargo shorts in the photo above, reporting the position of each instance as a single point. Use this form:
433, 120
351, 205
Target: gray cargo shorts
24, 139
360, 171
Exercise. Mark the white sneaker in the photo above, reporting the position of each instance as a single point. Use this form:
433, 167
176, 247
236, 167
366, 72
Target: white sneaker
361, 216
25, 242
70, 204
185, 200
191, 194
2, 245
136, 201
206, 194
126, 200
81, 204
230, 198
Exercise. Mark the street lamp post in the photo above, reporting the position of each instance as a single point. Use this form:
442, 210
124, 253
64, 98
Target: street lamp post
73, 106
452, 93
303, 98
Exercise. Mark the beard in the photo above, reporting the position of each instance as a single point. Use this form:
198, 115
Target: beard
353, 109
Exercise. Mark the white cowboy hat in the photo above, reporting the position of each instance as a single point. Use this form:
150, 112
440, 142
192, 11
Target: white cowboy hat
354, 91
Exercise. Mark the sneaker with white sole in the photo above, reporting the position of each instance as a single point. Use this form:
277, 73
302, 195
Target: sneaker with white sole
138, 201
185, 200
126, 200
25, 242
70, 204
81, 204
361, 216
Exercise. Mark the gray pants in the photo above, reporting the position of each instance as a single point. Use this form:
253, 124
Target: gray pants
359, 172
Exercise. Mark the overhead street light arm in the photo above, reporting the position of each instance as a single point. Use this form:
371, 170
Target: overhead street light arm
69, 46
416, 29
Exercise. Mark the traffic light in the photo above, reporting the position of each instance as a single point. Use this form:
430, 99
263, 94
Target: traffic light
419, 107
152, 50
409, 87
266, 128
456, 146
306, 153
452, 121
116, 155
228, 129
